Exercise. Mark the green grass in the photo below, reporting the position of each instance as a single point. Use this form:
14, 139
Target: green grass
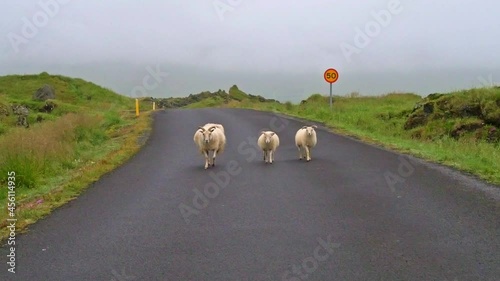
91, 131
381, 120
237, 94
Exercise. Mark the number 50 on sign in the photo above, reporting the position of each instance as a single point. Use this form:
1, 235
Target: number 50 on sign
331, 75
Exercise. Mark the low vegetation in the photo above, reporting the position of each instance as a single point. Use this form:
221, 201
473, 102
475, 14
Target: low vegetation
70, 137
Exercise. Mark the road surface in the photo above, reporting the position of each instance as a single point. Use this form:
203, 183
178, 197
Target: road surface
355, 212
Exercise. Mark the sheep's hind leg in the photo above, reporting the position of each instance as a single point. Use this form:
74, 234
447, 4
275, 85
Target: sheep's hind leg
271, 156
300, 152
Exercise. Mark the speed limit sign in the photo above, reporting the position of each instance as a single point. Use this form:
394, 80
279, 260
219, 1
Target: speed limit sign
331, 75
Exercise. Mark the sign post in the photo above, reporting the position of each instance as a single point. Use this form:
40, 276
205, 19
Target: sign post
136, 107
331, 76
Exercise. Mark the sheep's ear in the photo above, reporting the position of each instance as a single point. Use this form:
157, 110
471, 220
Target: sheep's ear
211, 129
262, 132
314, 126
201, 128
304, 127
272, 134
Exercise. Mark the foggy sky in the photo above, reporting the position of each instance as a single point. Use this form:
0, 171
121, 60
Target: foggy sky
278, 49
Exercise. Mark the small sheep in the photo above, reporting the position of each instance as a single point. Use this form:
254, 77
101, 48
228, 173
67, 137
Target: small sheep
208, 138
268, 142
305, 140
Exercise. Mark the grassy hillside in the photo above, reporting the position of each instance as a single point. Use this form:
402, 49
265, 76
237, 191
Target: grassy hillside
87, 131
460, 129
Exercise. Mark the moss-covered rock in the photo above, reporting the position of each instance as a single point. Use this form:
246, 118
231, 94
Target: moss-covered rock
493, 135
491, 112
416, 120
459, 108
4, 110
468, 127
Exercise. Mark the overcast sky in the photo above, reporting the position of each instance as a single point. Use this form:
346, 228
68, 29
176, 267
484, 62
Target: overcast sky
278, 49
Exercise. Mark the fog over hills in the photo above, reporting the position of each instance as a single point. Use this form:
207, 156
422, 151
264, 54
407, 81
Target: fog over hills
183, 80
265, 48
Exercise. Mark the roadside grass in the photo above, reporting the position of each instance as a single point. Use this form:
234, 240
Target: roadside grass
380, 120
79, 141
48, 180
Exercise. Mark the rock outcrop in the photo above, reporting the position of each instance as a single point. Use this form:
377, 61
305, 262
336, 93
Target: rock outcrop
44, 93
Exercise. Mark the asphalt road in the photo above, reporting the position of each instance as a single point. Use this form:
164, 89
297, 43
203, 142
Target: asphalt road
355, 212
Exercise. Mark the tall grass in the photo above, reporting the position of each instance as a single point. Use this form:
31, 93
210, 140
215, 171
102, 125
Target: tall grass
90, 132
40, 152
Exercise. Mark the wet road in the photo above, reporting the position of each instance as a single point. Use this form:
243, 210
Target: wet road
355, 212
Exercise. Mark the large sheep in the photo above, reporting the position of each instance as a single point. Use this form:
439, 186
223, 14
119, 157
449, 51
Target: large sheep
208, 138
268, 141
305, 140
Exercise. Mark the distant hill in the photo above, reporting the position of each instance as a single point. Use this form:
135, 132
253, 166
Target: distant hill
210, 99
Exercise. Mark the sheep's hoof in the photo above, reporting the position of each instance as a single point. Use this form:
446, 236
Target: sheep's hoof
308, 160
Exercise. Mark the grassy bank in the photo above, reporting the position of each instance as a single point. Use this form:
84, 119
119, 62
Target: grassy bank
458, 131
90, 131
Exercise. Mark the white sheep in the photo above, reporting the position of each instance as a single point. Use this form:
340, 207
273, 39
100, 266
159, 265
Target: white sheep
208, 138
208, 125
305, 140
268, 141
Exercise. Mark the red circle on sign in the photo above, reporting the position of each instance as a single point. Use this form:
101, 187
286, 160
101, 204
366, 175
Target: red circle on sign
331, 75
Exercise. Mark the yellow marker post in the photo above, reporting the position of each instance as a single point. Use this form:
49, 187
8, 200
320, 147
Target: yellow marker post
136, 107
154, 106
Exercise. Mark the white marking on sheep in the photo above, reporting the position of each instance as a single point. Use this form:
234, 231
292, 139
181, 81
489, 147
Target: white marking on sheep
210, 137
268, 141
305, 140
